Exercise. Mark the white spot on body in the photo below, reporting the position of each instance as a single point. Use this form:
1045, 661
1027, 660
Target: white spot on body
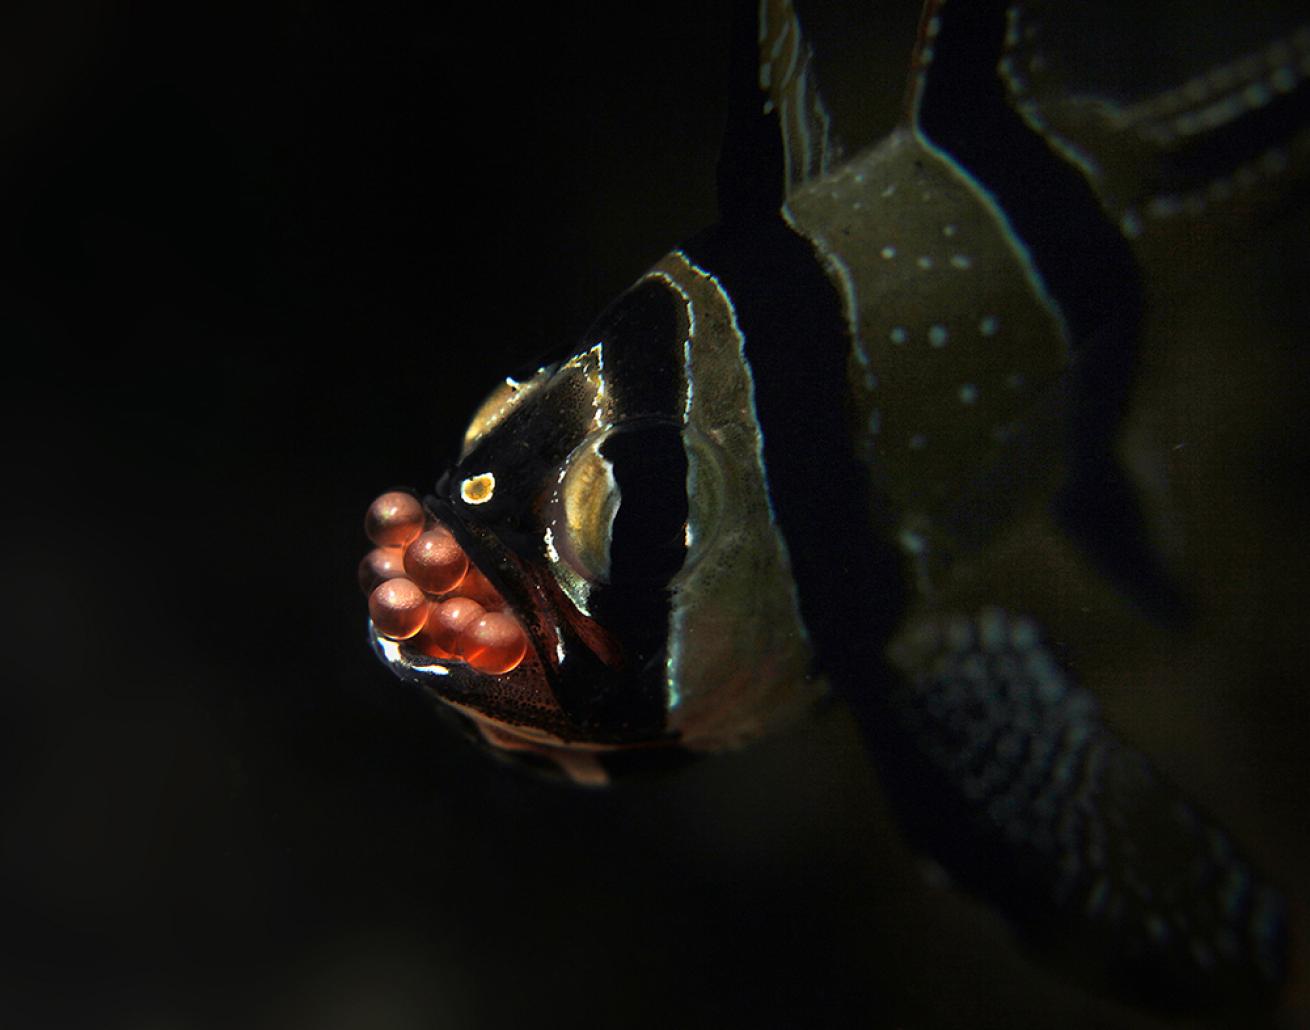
913, 542
949, 230
937, 335
988, 325
888, 191
961, 261
898, 335
968, 393
925, 262
888, 252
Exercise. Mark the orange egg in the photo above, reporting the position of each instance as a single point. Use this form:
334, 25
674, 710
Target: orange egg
478, 587
447, 621
394, 519
398, 608
494, 643
380, 564
435, 561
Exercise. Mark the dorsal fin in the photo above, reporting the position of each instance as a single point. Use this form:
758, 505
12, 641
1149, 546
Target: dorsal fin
788, 80
1157, 130
779, 132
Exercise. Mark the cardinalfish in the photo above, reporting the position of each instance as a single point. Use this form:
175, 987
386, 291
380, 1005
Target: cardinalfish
864, 435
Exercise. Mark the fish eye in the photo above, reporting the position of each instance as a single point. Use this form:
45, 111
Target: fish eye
587, 502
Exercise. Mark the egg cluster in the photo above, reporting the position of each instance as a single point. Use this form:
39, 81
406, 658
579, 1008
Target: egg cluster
423, 589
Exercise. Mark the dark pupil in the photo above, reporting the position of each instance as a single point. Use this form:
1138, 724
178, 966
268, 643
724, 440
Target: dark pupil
650, 466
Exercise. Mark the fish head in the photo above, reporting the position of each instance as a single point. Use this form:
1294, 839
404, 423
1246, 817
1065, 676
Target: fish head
598, 573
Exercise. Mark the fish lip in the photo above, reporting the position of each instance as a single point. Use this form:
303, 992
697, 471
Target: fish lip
419, 669
408, 664
459, 687
454, 687
450, 679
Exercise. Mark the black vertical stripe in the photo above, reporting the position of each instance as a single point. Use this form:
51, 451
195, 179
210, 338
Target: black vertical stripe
642, 336
963, 109
849, 581
1087, 267
648, 541
751, 172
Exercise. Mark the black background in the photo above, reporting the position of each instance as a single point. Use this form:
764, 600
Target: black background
262, 265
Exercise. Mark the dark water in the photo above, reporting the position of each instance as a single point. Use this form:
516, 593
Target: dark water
261, 265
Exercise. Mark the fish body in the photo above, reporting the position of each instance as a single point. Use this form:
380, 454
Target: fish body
867, 435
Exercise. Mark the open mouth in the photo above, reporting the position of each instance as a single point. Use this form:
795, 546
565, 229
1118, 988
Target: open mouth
423, 590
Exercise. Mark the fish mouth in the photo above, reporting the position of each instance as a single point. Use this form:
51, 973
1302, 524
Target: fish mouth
490, 699
427, 596
439, 623
461, 610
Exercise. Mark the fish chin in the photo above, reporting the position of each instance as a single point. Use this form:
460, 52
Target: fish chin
490, 709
